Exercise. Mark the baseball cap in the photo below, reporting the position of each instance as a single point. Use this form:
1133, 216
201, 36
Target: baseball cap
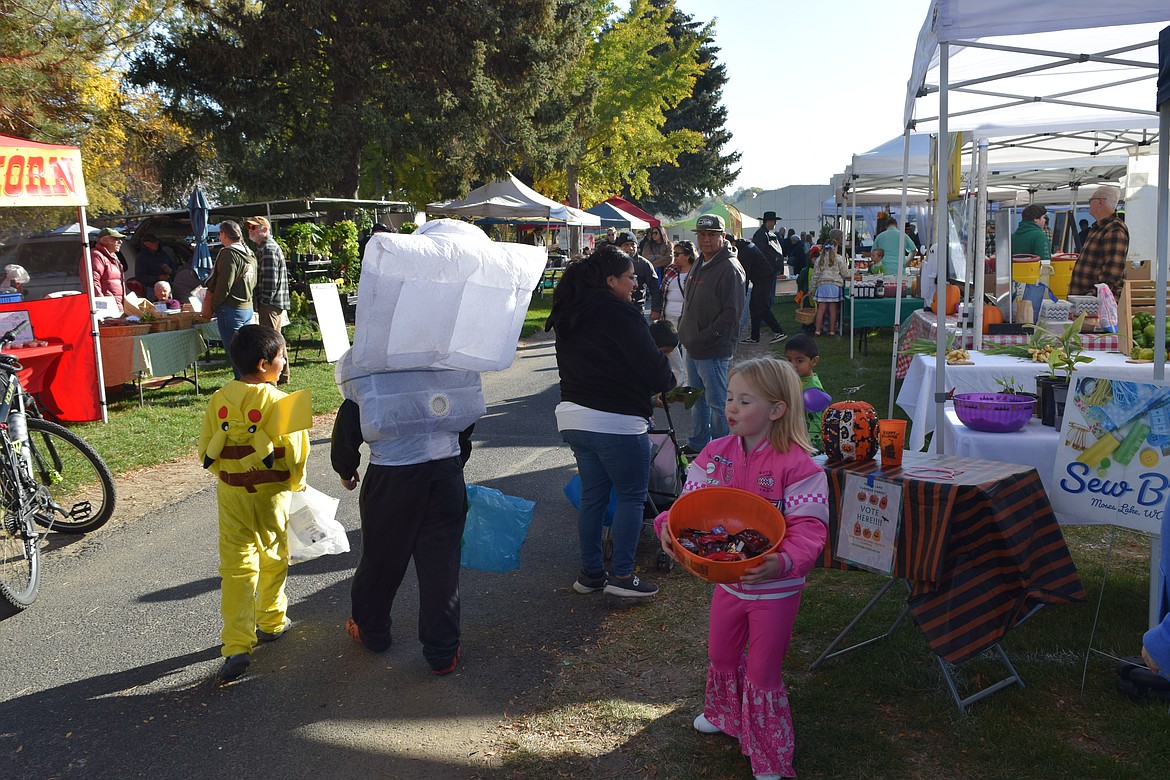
111, 232
711, 222
258, 221
625, 238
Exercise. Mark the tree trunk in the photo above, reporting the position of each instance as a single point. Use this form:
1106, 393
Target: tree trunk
575, 202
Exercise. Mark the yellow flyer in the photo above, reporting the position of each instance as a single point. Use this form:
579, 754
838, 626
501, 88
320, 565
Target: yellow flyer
871, 511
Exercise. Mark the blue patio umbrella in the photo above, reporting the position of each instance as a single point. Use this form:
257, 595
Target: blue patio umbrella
197, 207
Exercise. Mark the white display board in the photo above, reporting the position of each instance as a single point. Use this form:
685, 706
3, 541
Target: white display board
1113, 460
331, 320
871, 514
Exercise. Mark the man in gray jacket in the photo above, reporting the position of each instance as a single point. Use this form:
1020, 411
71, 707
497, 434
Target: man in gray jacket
709, 328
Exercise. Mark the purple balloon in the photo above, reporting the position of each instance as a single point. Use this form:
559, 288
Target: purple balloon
816, 400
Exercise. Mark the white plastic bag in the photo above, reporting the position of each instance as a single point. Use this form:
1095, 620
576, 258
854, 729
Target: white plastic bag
313, 529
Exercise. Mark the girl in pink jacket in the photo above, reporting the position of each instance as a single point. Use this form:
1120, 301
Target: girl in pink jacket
767, 453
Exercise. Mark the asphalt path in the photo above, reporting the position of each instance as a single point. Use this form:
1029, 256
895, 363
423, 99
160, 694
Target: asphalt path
111, 673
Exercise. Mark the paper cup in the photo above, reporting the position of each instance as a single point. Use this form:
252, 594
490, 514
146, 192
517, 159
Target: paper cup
892, 440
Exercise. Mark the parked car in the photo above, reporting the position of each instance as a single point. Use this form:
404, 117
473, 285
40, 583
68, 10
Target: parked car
52, 258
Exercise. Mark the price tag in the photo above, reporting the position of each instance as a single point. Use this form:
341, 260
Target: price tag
871, 514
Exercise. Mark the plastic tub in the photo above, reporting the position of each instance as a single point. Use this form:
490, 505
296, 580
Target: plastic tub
734, 509
994, 412
1026, 269
10, 298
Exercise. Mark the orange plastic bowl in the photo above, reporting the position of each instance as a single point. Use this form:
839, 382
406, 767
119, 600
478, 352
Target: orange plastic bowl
735, 510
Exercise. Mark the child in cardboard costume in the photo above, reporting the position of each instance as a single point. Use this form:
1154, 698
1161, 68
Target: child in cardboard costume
254, 438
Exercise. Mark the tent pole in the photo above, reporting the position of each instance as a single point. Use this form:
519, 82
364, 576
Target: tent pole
980, 242
852, 271
1160, 239
93, 321
942, 244
901, 271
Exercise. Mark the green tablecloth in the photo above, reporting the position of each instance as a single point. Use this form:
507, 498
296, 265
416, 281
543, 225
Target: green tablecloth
154, 354
878, 312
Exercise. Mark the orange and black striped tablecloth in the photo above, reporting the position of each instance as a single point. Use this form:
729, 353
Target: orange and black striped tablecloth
981, 550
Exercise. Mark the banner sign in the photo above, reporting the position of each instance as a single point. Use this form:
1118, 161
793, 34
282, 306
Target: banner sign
36, 174
1113, 460
871, 512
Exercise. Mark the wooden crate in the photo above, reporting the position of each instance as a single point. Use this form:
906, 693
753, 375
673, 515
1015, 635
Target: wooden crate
1136, 295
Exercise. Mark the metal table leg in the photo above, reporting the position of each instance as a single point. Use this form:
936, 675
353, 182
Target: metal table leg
832, 652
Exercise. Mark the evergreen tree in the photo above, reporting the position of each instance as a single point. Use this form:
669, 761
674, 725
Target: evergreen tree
330, 97
677, 188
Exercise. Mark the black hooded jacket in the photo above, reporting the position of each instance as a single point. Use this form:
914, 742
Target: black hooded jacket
606, 357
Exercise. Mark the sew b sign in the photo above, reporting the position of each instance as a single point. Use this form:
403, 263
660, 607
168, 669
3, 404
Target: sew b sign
871, 511
1113, 459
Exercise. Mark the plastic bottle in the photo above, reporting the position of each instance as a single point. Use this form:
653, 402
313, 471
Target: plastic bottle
17, 427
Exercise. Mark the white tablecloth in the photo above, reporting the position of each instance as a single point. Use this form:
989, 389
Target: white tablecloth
916, 397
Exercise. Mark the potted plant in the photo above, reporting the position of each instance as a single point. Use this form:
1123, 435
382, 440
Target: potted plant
1009, 386
1065, 357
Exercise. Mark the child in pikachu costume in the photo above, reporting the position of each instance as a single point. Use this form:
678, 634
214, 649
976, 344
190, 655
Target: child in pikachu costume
255, 439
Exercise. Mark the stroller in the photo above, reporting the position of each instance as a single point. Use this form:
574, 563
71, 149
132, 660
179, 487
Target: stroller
668, 467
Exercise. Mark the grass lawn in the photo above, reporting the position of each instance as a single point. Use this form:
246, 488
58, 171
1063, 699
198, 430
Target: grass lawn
622, 706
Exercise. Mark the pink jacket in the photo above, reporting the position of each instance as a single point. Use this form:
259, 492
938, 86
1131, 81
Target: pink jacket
791, 481
108, 279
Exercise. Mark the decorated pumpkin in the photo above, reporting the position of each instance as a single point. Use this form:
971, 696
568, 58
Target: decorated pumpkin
849, 431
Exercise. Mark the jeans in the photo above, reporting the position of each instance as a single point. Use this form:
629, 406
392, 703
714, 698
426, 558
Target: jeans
707, 418
745, 317
621, 463
231, 320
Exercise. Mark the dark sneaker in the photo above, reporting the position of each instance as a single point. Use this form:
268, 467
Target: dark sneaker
234, 667
272, 636
355, 633
449, 667
778, 338
749, 341
589, 583
632, 587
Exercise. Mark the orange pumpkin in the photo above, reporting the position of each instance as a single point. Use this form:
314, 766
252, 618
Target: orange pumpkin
991, 316
849, 431
953, 295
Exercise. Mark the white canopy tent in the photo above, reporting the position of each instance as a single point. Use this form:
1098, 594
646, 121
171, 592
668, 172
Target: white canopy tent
511, 199
996, 68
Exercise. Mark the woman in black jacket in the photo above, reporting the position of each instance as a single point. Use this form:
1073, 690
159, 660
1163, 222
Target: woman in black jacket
610, 369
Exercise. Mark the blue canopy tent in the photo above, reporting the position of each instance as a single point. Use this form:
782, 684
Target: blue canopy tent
612, 216
197, 207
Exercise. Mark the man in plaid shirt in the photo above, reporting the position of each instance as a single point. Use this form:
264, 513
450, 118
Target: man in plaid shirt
1102, 258
271, 294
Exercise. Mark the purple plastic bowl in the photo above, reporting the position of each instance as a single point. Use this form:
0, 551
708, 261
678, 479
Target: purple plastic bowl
994, 412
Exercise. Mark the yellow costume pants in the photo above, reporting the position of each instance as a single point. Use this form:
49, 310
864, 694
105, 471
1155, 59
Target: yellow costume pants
253, 562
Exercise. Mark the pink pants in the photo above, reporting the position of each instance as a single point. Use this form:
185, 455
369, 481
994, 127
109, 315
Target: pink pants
746, 697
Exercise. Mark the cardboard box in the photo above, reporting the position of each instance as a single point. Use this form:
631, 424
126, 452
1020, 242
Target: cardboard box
1136, 295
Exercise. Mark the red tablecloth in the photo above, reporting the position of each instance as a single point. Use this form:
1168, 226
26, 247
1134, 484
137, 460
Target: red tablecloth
980, 551
40, 364
71, 394
922, 325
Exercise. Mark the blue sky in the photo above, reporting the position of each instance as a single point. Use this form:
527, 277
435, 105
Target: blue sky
810, 83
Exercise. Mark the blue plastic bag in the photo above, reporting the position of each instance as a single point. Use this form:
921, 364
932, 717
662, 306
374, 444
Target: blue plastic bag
573, 493
496, 528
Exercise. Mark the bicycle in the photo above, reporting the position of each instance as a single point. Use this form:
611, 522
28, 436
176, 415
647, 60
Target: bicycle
49, 476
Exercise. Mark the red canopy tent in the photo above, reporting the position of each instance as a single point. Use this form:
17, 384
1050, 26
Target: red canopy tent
39, 174
630, 208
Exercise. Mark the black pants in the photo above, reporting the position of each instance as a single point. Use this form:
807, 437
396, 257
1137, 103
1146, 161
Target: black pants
409, 512
760, 306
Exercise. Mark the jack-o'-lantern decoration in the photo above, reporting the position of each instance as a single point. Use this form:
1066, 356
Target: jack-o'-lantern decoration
849, 430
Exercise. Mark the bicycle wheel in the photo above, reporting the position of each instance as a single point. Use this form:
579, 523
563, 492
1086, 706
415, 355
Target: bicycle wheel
20, 557
76, 477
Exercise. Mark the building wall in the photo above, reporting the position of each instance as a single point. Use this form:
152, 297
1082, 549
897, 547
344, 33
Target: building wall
798, 205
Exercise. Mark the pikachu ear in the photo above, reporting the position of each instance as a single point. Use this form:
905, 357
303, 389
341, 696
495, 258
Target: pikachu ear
292, 413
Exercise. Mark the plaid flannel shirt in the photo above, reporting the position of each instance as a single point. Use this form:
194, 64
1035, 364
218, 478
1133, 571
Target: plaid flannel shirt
272, 282
1102, 258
